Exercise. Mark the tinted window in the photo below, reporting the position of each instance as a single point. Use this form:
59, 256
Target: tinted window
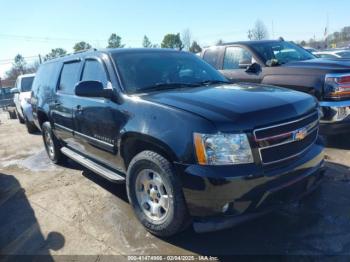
26, 84
237, 57
211, 56
94, 70
143, 70
46, 78
69, 77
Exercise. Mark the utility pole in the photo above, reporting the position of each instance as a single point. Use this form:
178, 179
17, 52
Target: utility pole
40, 60
272, 30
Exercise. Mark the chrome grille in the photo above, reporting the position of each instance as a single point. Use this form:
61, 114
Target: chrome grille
285, 141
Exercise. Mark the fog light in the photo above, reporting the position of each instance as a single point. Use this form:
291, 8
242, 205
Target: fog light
225, 207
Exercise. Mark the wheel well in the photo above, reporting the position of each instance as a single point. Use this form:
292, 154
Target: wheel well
131, 146
42, 117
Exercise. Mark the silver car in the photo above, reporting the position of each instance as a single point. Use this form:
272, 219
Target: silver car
22, 91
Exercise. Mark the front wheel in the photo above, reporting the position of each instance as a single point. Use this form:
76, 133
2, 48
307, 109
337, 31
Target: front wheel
155, 193
52, 145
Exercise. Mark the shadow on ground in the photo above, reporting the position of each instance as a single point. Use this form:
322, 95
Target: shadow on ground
341, 141
20, 232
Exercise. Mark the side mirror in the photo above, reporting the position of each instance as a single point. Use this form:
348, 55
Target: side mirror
253, 68
14, 90
92, 89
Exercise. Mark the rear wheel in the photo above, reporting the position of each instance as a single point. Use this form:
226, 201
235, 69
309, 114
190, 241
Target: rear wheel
20, 118
52, 145
31, 127
155, 193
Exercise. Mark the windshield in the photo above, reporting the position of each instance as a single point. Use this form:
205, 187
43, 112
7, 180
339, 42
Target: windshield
141, 71
281, 52
26, 84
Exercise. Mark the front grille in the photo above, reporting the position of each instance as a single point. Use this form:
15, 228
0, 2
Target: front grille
285, 141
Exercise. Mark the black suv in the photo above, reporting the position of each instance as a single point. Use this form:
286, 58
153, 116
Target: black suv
190, 147
288, 65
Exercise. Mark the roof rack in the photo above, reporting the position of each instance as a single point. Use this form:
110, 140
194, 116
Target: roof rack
85, 50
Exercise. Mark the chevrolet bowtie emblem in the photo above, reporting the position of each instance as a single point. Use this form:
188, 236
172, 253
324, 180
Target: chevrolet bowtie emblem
300, 134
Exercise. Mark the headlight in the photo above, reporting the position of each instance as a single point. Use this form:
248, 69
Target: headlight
222, 149
337, 86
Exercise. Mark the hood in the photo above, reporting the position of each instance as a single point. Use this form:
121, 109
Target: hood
322, 64
238, 107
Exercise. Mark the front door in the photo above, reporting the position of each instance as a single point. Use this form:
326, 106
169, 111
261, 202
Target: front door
97, 120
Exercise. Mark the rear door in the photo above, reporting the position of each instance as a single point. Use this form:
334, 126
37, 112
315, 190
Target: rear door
236, 59
65, 101
97, 121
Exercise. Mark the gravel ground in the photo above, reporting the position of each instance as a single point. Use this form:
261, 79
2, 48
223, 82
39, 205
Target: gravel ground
67, 210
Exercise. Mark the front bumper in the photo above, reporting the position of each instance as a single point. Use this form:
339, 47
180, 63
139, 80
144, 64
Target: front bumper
221, 196
336, 117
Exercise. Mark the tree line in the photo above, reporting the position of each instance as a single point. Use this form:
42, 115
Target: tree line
174, 41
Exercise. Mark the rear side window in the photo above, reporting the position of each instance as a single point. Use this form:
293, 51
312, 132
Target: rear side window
237, 57
94, 70
69, 77
26, 84
211, 56
46, 79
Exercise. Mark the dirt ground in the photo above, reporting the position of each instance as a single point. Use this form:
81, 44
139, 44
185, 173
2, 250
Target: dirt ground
67, 210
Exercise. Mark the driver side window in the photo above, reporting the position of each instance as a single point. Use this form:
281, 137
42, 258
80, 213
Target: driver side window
94, 70
237, 58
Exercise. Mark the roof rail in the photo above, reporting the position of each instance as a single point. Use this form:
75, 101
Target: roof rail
85, 50
80, 51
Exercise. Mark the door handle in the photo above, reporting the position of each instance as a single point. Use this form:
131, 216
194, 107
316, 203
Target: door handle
79, 108
56, 103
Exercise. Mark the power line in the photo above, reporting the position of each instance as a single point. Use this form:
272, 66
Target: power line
11, 59
42, 39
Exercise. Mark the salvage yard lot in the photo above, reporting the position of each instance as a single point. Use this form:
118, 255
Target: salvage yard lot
48, 209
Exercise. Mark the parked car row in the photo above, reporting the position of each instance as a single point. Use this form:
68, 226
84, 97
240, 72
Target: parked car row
333, 54
195, 145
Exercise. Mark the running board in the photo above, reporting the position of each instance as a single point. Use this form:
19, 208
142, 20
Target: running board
98, 169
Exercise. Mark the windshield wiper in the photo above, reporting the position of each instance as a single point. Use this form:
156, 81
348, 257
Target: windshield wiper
164, 86
212, 82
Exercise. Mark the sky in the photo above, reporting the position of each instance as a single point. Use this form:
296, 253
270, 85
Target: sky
35, 27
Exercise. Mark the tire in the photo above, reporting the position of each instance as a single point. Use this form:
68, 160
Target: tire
12, 114
31, 127
20, 119
52, 145
172, 219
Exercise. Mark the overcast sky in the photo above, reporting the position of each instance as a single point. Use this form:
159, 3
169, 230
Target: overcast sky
34, 27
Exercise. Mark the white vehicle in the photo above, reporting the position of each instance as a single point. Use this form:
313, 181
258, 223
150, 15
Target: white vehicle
22, 91
333, 54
